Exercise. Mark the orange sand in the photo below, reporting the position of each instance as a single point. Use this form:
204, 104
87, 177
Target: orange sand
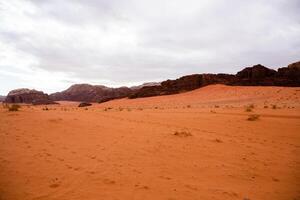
129, 150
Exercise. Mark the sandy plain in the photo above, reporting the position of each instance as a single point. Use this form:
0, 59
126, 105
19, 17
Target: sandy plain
216, 142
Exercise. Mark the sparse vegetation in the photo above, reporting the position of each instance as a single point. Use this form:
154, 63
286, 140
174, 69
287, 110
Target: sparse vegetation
217, 106
249, 108
266, 106
188, 106
108, 108
46, 108
253, 117
14, 107
182, 133
274, 106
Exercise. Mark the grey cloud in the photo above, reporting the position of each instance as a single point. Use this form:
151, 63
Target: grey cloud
135, 41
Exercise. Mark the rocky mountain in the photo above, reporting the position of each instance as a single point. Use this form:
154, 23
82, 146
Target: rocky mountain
145, 84
183, 84
257, 75
91, 93
25, 95
250, 76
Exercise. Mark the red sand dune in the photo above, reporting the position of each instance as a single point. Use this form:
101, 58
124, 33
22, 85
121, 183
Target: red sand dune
194, 145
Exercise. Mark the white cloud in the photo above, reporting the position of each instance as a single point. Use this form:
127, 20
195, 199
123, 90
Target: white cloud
48, 45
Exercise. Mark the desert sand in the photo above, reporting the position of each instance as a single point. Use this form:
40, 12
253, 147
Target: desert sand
216, 142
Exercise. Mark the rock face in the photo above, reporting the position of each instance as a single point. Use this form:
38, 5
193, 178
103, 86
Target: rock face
90, 93
289, 76
185, 83
258, 75
27, 96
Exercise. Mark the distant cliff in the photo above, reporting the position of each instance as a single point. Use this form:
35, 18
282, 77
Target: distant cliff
257, 75
28, 96
91, 93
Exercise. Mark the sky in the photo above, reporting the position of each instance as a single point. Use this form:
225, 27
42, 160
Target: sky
49, 45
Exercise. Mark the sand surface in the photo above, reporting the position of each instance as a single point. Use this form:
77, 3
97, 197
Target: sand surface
194, 145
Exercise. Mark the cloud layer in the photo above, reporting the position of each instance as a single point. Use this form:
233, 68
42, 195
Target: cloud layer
50, 44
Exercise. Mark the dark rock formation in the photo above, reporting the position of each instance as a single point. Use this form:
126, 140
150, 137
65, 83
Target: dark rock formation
27, 96
185, 83
84, 104
90, 93
289, 76
257, 75
144, 85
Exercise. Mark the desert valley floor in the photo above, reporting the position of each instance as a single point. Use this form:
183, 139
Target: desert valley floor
216, 142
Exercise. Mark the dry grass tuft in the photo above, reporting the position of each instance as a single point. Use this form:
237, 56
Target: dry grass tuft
182, 134
249, 108
14, 107
253, 117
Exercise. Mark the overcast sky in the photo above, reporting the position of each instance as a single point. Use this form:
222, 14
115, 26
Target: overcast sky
50, 44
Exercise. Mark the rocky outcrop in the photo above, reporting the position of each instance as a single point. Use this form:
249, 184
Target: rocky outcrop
289, 76
90, 93
185, 83
28, 96
258, 75
263, 76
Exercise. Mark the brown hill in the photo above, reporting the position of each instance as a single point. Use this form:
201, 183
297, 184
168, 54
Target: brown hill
28, 96
90, 93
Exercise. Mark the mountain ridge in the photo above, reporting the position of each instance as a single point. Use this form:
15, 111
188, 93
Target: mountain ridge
257, 75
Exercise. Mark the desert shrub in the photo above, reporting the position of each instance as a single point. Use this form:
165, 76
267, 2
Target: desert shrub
253, 117
188, 106
120, 109
140, 108
14, 107
46, 108
266, 106
249, 108
217, 106
274, 106
182, 133
108, 108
